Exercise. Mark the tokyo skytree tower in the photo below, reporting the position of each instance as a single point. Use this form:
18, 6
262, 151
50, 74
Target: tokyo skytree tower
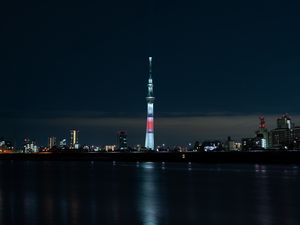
149, 141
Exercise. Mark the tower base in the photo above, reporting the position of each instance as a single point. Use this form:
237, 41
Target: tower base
149, 143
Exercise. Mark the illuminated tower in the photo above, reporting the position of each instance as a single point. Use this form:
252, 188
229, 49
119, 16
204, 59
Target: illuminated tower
149, 141
262, 122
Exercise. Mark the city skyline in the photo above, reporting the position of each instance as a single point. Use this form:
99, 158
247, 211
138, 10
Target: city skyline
248, 124
80, 65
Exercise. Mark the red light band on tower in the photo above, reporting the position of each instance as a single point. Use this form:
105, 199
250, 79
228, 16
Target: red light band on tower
150, 124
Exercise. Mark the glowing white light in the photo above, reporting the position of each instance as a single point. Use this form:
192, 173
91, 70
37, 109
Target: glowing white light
264, 143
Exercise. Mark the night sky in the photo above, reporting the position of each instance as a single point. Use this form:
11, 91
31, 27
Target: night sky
217, 66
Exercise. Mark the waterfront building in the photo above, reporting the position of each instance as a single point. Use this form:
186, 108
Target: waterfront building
197, 146
74, 144
30, 146
282, 136
284, 122
6, 146
231, 145
209, 146
248, 144
110, 148
138, 147
149, 140
63, 143
296, 134
262, 134
51, 142
122, 141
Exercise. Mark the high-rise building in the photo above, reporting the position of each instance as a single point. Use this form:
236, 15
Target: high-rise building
149, 140
248, 144
282, 136
74, 139
231, 145
63, 143
296, 134
51, 142
122, 141
262, 134
284, 122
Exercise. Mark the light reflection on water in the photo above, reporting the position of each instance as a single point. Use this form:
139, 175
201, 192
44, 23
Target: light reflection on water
53, 193
147, 189
263, 197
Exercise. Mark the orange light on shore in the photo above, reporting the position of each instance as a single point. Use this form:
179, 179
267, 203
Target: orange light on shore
6, 151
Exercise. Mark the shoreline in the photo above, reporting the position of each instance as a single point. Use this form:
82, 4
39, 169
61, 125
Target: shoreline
274, 157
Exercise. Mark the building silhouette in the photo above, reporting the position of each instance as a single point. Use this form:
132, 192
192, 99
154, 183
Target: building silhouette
262, 134
63, 143
122, 141
282, 136
51, 142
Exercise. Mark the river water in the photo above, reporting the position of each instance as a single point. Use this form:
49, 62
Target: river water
103, 193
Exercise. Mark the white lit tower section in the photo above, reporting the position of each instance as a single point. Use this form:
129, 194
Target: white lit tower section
149, 141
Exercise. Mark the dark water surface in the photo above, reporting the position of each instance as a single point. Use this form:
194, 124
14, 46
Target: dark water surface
148, 193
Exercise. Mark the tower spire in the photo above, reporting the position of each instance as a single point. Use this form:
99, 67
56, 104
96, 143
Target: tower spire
150, 67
